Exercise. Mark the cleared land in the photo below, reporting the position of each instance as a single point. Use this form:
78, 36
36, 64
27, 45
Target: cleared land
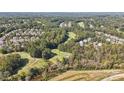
117, 77
81, 24
93, 75
32, 62
71, 35
59, 55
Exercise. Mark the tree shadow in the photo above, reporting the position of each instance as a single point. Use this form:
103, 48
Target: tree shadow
21, 64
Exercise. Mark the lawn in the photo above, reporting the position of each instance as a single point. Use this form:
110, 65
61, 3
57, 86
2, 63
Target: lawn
32, 62
22, 54
59, 55
71, 35
81, 24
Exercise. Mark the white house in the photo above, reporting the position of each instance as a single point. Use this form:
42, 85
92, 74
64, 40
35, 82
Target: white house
81, 43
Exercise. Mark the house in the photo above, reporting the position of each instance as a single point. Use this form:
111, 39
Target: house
81, 43
65, 24
108, 39
91, 26
99, 44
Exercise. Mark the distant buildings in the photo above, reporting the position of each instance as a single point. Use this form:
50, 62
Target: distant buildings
20, 37
66, 24
83, 42
110, 38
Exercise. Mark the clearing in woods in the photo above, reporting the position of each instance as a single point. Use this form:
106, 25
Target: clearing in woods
71, 35
59, 55
81, 24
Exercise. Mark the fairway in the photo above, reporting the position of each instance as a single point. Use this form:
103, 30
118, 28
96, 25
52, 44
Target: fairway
32, 62
71, 35
81, 24
59, 55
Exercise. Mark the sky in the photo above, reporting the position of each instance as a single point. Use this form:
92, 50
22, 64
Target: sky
61, 6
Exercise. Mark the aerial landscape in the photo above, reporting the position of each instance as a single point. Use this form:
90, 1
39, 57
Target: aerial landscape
63, 46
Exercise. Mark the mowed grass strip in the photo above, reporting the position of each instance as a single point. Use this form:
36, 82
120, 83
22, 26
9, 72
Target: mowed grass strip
71, 35
59, 55
92, 75
81, 24
32, 62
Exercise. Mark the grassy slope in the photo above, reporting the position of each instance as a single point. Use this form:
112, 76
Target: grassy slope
81, 24
60, 55
32, 63
86, 75
71, 36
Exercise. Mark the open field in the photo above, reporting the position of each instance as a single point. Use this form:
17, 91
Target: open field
71, 35
81, 24
118, 77
32, 62
39, 62
93, 75
60, 55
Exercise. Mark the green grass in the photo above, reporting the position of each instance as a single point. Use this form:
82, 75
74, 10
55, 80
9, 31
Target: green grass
59, 55
71, 35
81, 24
22, 54
39, 62
32, 62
